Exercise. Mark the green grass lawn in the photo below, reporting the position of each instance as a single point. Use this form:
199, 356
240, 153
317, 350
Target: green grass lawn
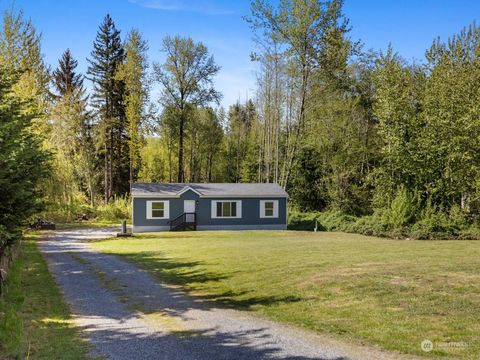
392, 293
34, 321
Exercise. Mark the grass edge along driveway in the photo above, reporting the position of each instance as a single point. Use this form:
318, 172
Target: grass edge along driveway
390, 293
35, 323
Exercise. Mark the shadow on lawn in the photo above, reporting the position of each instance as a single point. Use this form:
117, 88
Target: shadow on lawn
187, 273
173, 271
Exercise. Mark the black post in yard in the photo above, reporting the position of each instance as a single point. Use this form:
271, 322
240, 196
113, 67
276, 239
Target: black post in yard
124, 232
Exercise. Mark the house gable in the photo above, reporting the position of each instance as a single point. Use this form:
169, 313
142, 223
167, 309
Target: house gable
188, 188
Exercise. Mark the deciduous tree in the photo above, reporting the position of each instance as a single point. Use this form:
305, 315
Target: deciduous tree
186, 78
133, 72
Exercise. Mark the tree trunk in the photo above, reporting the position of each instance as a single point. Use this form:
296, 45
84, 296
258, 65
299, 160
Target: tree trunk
278, 99
193, 149
180, 149
237, 163
106, 172
210, 160
299, 125
131, 172
110, 166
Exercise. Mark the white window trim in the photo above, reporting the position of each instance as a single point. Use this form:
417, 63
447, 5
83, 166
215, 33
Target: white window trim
262, 209
166, 209
214, 209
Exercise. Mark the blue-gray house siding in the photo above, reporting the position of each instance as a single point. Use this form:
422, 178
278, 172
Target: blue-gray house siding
250, 209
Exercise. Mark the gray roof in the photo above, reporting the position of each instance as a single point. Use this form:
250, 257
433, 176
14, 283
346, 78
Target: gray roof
209, 189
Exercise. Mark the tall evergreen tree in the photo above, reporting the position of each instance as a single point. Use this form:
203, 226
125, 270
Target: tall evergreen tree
108, 98
64, 77
23, 162
72, 136
20, 52
24, 81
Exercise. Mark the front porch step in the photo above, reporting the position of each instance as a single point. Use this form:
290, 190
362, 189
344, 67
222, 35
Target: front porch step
185, 227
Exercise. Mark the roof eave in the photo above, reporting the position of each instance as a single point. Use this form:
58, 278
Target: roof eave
209, 196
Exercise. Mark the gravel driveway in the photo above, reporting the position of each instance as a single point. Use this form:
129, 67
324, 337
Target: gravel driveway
126, 314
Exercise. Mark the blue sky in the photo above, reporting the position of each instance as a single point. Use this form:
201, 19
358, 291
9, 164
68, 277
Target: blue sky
409, 25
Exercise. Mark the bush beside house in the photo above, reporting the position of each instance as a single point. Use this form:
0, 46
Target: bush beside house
429, 224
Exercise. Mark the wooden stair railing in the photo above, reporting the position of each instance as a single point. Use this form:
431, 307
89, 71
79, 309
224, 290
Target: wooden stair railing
183, 221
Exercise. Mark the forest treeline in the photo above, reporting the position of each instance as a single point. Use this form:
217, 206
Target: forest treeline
380, 144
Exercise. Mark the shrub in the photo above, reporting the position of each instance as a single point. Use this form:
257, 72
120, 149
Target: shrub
458, 217
118, 209
401, 211
304, 221
434, 224
66, 212
337, 221
370, 225
470, 233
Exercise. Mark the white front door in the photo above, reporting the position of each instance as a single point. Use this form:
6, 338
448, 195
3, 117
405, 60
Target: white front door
188, 206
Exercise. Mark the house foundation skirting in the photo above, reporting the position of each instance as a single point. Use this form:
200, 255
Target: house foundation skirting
152, 228
140, 229
243, 227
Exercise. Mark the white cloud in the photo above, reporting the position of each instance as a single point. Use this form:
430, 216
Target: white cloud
200, 6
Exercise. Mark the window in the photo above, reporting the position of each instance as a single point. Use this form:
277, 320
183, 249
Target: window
269, 208
226, 209
158, 209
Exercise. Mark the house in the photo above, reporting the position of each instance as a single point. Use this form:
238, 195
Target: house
168, 206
